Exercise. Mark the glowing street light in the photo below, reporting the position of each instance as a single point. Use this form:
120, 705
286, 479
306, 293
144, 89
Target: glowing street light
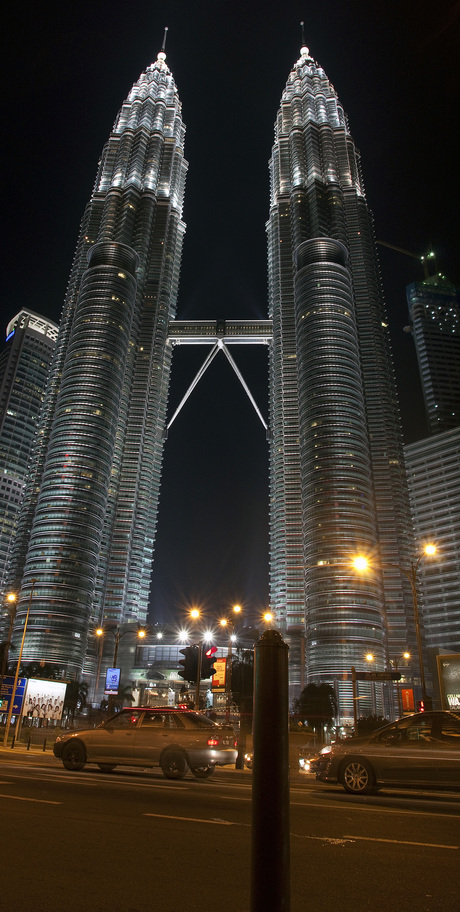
225, 622
362, 564
11, 599
117, 634
13, 693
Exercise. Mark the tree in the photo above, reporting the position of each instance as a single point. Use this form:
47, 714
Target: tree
317, 705
367, 724
75, 697
117, 702
243, 696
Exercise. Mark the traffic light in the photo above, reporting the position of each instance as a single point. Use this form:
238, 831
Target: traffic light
207, 662
189, 663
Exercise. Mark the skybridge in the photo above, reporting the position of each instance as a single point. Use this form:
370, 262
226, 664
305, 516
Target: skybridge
219, 334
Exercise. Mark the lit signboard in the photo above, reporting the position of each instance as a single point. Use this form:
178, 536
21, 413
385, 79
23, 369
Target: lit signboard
44, 699
112, 681
449, 681
219, 679
7, 692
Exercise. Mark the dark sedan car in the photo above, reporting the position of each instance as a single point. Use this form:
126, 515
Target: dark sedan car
421, 750
173, 738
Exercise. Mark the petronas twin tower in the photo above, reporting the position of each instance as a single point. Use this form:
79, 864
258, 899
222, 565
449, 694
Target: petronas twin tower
84, 546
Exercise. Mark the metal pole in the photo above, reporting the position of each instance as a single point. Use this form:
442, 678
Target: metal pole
198, 677
117, 636
413, 582
355, 697
228, 681
270, 850
13, 695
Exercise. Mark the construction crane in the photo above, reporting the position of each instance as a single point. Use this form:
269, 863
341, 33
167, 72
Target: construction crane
430, 255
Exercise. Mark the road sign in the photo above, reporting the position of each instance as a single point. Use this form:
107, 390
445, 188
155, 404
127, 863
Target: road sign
7, 691
377, 676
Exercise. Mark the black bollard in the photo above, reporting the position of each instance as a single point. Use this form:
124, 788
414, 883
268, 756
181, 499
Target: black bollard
270, 849
44, 745
12, 743
28, 742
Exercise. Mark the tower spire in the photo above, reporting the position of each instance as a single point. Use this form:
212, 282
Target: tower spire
302, 24
163, 46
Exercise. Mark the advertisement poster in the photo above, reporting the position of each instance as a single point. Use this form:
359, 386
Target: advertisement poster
220, 677
112, 681
407, 699
449, 681
44, 700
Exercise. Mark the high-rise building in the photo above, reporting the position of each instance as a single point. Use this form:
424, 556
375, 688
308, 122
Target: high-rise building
84, 543
338, 483
24, 367
85, 538
433, 463
434, 311
433, 471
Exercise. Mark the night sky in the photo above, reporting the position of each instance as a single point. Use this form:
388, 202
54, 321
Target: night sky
67, 69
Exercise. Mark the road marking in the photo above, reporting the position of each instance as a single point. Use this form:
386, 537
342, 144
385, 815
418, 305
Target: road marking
410, 812
427, 845
36, 800
193, 819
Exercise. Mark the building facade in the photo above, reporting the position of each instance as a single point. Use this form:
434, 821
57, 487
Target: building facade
337, 476
84, 544
433, 463
24, 367
434, 312
433, 471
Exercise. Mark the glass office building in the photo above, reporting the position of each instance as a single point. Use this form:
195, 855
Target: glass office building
84, 543
434, 313
338, 483
24, 366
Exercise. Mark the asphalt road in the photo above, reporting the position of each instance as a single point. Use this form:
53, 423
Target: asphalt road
132, 841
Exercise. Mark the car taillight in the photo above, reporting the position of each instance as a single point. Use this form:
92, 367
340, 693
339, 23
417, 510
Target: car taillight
213, 742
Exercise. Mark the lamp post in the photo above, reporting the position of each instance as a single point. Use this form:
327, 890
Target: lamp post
395, 662
362, 563
15, 684
11, 598
224, 622
117, 634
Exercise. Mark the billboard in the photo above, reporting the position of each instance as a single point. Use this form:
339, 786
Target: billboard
112, 681
449, 680
44, 700
220, 677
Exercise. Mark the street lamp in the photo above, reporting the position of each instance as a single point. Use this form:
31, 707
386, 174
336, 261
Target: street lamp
15, 684
395, 662
362, 563
117, 634
11, 598
225, 622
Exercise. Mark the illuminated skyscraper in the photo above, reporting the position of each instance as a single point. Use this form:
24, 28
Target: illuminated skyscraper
24, 367
87, 528
337, 475
434, 313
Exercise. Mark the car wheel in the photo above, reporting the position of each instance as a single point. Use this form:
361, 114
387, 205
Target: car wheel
357, 777
106, 767
174, 765
74, 755
203, 772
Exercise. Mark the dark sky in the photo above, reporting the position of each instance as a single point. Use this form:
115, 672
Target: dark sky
68, 67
